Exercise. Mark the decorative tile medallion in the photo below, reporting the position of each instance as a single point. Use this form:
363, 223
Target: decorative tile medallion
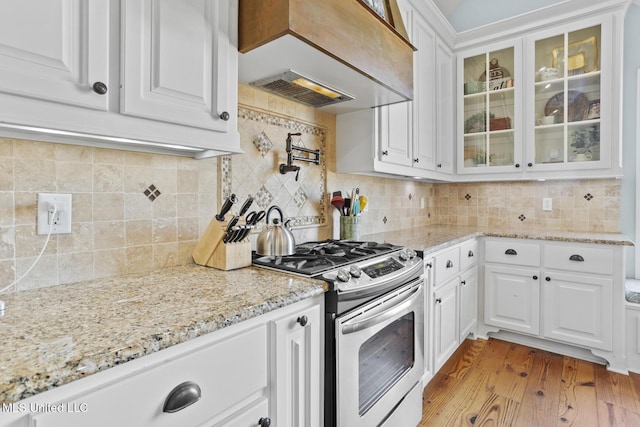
468, 197
263, 144
152, 192
522, 217
263, 138
588, 197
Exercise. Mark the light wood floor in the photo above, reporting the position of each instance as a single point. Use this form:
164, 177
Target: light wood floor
496, 383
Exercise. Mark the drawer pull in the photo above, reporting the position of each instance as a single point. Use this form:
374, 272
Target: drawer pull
182, 396
463, 283
439, 300
303, 320
576, 258
449, 263
511, 252
264, 422
470, 255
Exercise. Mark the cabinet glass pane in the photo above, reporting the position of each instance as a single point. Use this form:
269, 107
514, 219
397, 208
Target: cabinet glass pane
489, 109
474, 67
475, 151
550, 144
567, 97
584, 142
501, 148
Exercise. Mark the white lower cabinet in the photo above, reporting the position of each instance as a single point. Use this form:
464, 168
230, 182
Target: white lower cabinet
512, 298
468, 302
563, 293
264, 371
452, 308
445, 322
578, 309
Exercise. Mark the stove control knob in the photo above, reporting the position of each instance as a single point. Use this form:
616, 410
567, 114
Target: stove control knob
343, 275
355, 271
403, 255
412, 254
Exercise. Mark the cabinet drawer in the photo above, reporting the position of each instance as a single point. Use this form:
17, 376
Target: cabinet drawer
468, 254
232, 374
583, 259
447, 265
512, 252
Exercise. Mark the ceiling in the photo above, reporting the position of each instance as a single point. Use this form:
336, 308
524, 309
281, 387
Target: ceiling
468, 14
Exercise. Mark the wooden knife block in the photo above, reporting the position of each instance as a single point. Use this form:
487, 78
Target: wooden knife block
211, 251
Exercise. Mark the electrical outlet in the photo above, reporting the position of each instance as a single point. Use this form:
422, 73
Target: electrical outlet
422, 203
60, 223
547, 203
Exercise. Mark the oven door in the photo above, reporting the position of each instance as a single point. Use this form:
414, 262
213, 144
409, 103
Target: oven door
380, 357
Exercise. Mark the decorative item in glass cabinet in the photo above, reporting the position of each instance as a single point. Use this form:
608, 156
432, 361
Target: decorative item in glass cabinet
477, 122
586, 143
582, 56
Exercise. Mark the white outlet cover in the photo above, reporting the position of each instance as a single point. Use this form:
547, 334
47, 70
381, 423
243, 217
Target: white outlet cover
63, 204
547, 203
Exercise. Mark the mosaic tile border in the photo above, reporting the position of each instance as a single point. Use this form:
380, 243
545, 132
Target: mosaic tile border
225, 163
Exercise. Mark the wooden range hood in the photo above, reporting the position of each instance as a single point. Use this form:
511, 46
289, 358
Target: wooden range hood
341, 44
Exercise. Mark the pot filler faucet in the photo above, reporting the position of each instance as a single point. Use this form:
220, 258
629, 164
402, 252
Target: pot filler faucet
290, 167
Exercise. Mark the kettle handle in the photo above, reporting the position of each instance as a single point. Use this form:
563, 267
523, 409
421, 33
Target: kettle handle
277, 208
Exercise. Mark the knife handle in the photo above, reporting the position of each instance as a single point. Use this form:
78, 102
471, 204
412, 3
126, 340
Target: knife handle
230, 230
226, 206
245, 206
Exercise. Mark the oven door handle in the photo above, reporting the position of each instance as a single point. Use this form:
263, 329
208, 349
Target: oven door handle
383, 316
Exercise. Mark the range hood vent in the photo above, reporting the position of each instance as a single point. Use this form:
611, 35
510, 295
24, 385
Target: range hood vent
302, 89
343, 45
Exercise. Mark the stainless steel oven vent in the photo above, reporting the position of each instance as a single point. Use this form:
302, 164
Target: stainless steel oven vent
294, 86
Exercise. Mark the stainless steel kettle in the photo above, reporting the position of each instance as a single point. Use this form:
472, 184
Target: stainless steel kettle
276, 239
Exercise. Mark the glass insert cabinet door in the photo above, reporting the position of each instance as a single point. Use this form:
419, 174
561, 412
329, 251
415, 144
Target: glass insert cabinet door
567, 97
489, 109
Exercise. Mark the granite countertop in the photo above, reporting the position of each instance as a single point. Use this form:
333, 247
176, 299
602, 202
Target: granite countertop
436, 237
52, 336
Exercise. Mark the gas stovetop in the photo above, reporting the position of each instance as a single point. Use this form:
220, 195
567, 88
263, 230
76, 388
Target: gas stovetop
313, 258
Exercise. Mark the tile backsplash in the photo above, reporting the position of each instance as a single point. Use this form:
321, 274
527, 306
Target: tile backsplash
135, 212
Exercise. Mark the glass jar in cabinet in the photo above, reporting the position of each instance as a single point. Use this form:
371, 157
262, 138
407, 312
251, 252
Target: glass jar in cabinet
490, 110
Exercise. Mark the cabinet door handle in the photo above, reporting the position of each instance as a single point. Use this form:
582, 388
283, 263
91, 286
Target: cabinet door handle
100, 88
464, 283
535, 277
449, 263
517, 165
303, 320
510, 252
439, 300
470, 255
225, 116
429, 265
385, 153
264, 422
181, 396
416, 160
439, 165
576, 257
530, 164
548, 279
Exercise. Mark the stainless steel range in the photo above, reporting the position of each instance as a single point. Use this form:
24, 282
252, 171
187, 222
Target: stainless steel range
374, 328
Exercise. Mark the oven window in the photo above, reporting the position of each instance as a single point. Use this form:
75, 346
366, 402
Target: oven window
383, 359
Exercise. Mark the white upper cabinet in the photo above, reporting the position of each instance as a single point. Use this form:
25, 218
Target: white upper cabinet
144, 75
55, 51
489, 109
175, 62
570, 100
543, 105
415, 138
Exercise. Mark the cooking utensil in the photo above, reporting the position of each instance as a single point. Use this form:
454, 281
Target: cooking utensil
347, 207
245, 206
230, 231
337, 201
276, 239
252, 219
364, 201
226, 206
